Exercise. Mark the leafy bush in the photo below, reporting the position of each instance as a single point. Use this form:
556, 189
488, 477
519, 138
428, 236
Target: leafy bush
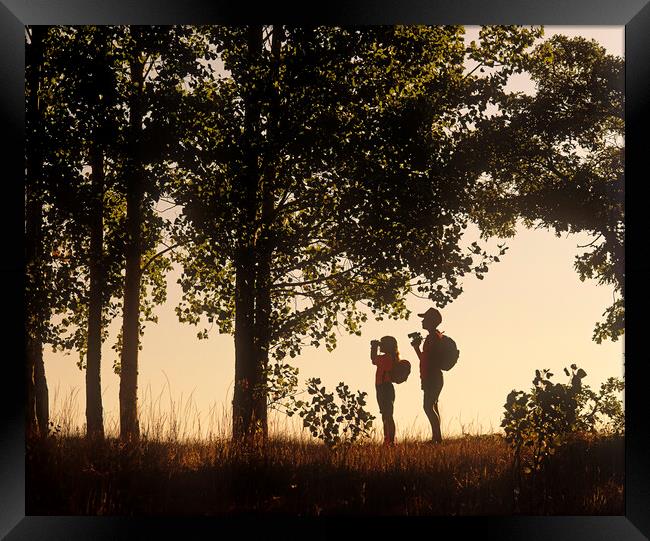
334, 422
281, 386
543, 418
603, 410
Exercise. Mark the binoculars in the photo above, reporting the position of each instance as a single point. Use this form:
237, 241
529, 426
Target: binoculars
414, 336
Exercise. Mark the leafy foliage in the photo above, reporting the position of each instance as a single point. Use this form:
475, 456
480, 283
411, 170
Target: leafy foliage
321, 175
335, 422
281, 382
555, 159
85, 92
360, 160
543, 419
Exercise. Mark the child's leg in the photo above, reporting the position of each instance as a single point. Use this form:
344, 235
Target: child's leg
428, 411
379, 403
435, 424
431, 393
391, 429
431, 411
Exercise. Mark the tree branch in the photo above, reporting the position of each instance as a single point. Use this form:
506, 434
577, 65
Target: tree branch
591, 243
314, 281
159, 254
477, 67
151, 65
296, 319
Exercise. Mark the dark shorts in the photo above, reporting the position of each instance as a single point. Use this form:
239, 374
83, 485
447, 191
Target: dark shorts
432, 387
385, 397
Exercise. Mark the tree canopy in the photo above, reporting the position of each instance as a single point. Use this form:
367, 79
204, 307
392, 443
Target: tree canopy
329, 165
556, 159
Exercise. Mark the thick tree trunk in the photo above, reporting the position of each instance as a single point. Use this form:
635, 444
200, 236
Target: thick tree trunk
253, 320
129, 428
244, 350
42, 393
37, 412
245, 422
262, 337
94, 414
31, 420
264, 251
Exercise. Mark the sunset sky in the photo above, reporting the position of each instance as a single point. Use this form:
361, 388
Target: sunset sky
530, 312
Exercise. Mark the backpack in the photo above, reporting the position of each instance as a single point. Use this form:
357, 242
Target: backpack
400, 371
446, 353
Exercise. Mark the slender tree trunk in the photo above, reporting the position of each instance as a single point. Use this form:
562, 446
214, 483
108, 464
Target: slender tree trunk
246, 371
37, 414
94, 414
129, 428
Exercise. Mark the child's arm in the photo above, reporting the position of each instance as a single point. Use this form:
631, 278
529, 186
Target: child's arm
416, 347
373, 352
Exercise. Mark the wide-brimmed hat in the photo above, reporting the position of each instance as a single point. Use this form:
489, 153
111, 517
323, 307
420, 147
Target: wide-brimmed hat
432, 313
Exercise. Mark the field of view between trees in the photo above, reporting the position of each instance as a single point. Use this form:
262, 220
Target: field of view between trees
318, 173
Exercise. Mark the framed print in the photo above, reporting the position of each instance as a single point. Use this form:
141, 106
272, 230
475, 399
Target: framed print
266, 230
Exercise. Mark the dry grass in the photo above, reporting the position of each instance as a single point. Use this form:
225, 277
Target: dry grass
163, 417
471, 475
187, 465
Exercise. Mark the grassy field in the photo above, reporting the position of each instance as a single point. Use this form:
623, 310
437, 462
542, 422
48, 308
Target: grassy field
470, 475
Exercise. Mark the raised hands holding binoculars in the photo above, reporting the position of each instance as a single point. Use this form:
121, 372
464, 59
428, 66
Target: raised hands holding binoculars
416, 339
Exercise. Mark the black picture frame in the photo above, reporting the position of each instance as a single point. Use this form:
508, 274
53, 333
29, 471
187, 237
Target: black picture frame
15, 14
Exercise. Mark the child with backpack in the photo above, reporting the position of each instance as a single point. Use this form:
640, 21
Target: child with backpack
439, 352
383, 382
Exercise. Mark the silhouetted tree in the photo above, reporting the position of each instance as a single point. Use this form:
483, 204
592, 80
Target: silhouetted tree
36, 300
157, 60
319, 173
83, 209
93, 207
103, 149
555, 159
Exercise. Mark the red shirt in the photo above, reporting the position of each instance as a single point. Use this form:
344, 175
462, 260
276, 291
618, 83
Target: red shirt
425, 354
384, 364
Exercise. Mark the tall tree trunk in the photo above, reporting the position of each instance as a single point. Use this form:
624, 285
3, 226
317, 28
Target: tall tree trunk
37, 413
262, 336
264, 251
129, 428
262, 327
246, 371
94, 414
244, 350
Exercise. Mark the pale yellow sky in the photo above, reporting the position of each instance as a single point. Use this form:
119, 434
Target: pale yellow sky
531, 311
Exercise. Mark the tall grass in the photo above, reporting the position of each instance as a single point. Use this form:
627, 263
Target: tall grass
467, 475
169, 417
162, 417
185, 463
